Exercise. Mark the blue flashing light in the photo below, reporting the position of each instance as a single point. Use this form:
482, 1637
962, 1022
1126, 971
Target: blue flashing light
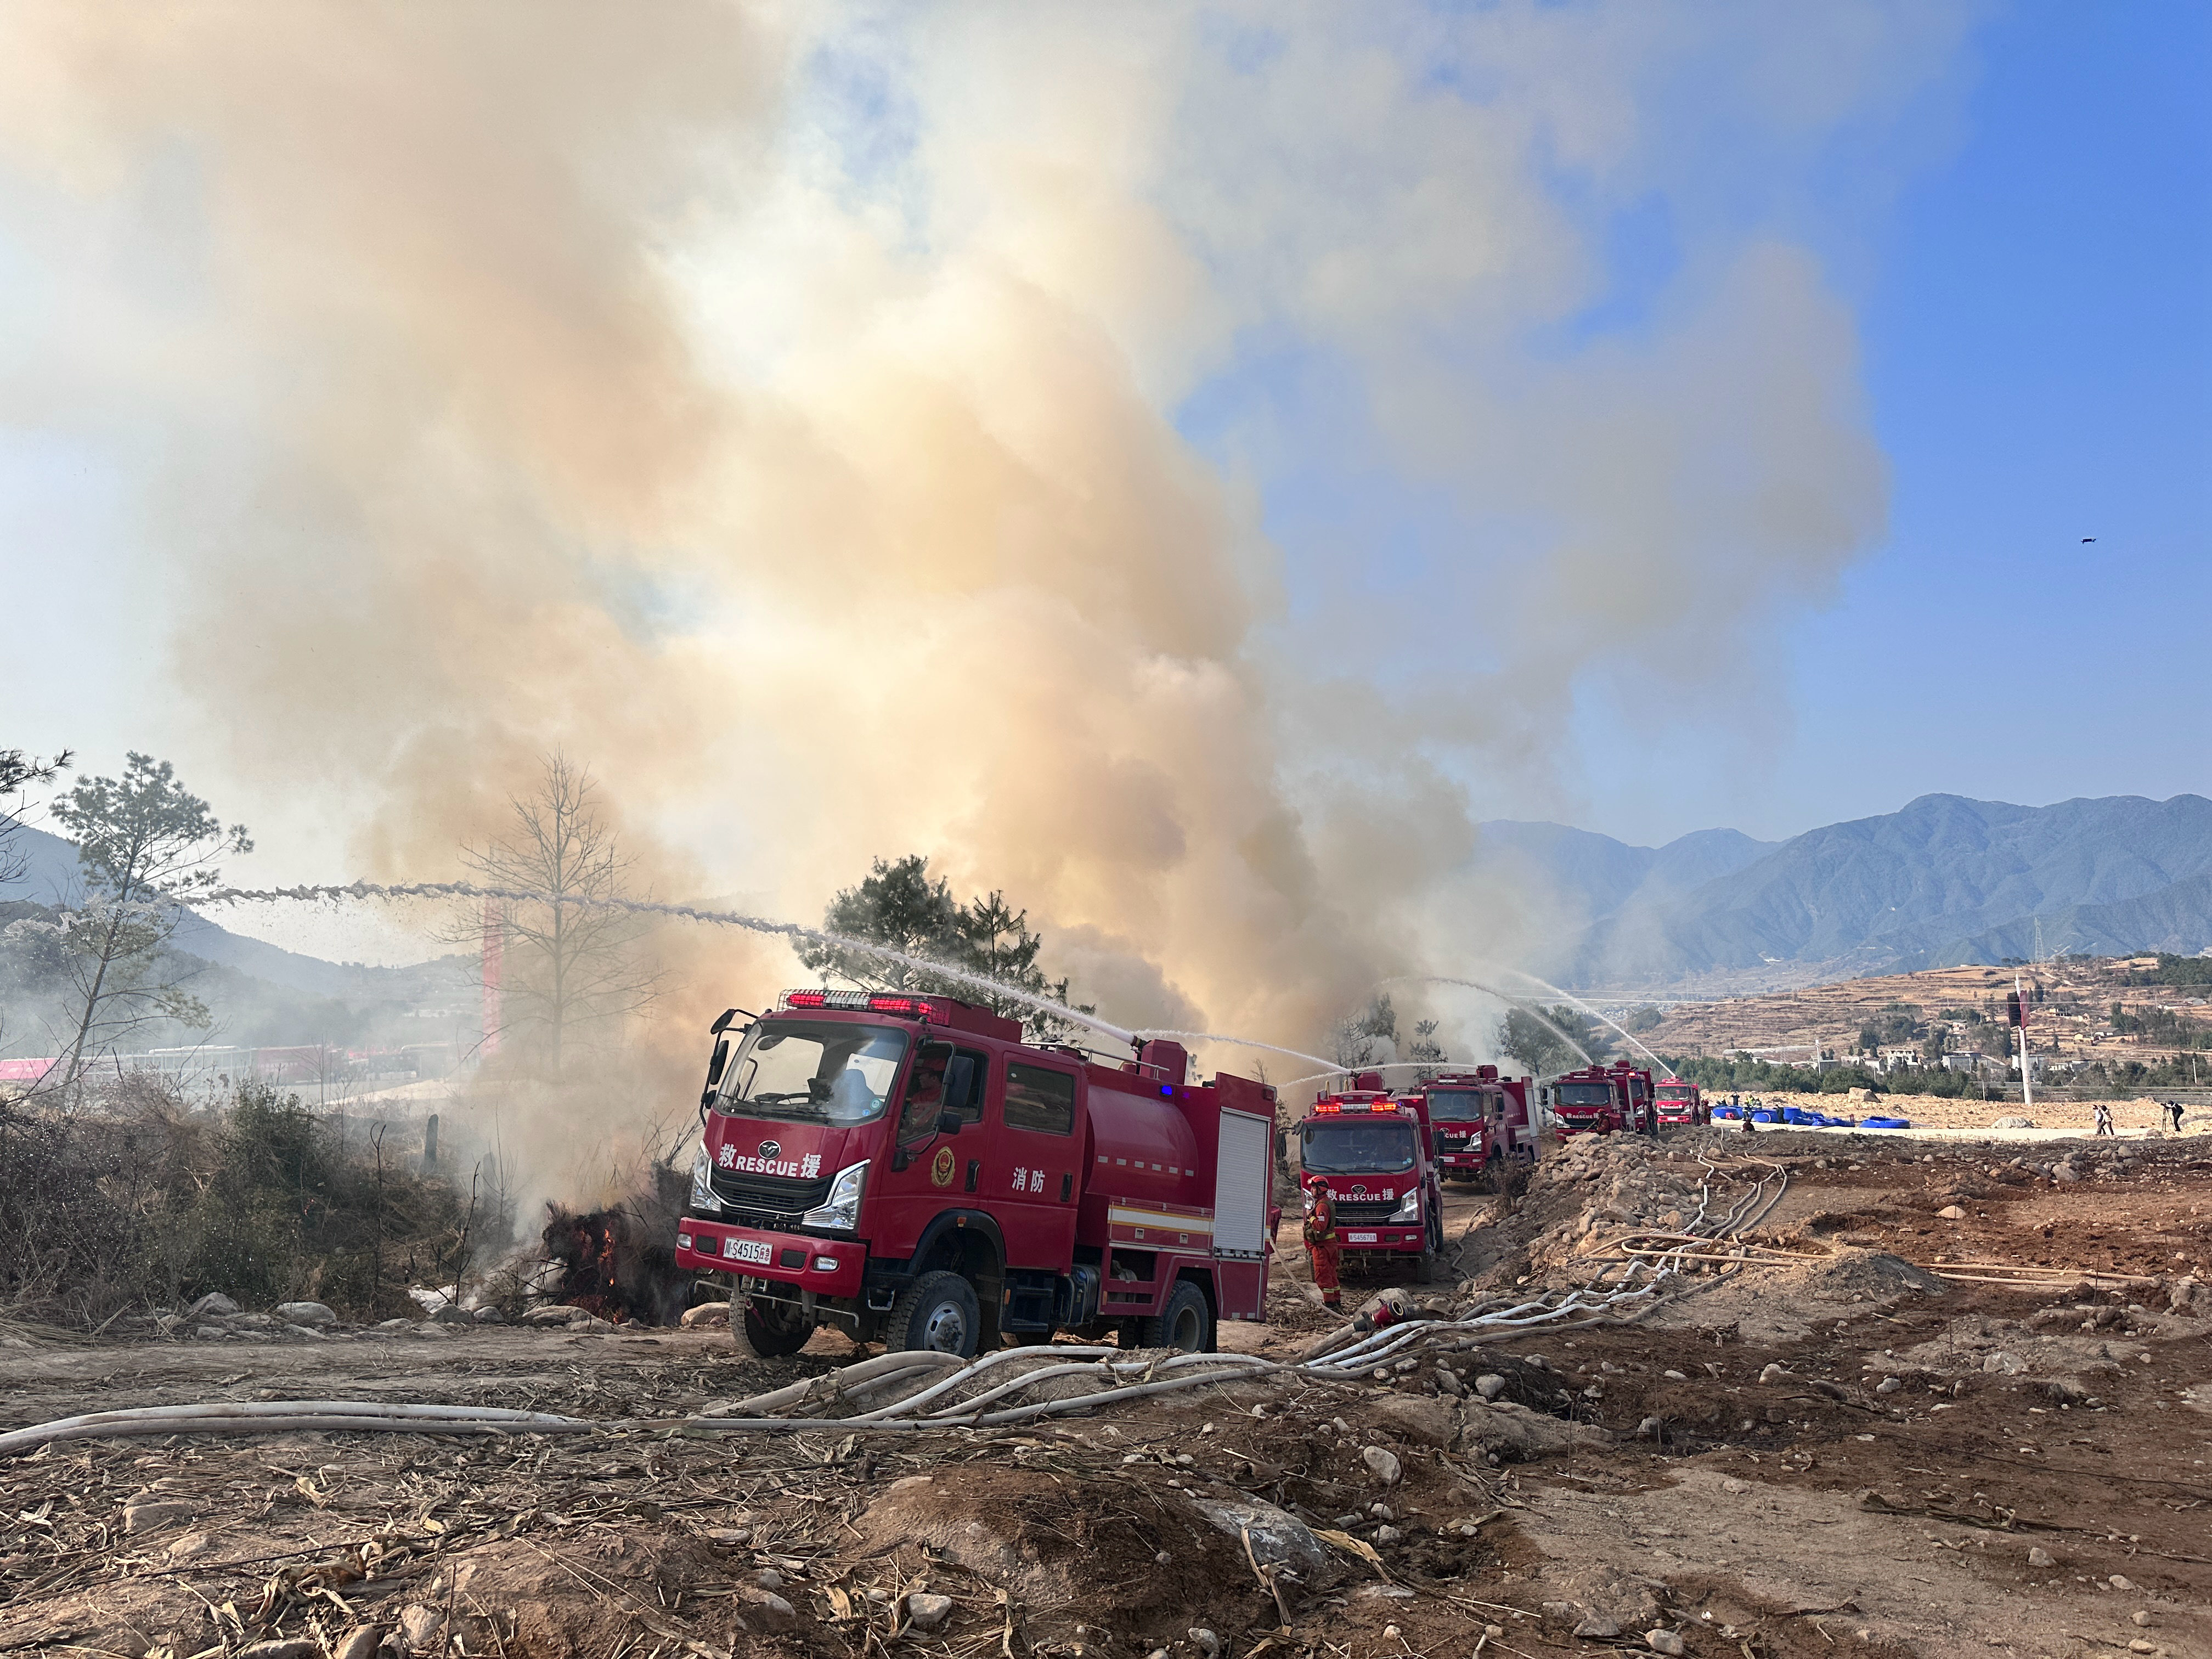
1167, 1091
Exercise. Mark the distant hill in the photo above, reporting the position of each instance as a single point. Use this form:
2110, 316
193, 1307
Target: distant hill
260, 993
1610, 876
1943, 881
51, 878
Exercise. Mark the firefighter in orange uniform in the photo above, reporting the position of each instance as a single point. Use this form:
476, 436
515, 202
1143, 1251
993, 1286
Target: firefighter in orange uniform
1321, 1241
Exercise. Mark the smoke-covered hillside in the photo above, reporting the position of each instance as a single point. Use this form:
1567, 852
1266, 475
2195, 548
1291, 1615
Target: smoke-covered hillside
258, 995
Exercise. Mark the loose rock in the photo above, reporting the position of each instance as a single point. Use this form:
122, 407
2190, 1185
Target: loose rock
1600, 1627
1664, 1641
305, 1313
1490, 1386
927, 1612
215, 1301
2039, 1556
1383, 1464
1418, 1417
422, 1628
154, 1515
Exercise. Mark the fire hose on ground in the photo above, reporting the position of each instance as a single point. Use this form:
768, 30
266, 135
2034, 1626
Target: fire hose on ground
1649, 1259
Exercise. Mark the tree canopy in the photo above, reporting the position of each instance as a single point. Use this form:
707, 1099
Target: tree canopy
900, 906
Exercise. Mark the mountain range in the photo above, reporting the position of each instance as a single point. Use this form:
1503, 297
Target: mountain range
260, 994
1942, 881
51, 877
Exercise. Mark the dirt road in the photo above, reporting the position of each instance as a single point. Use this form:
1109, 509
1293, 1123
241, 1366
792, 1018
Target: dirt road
1841, 1450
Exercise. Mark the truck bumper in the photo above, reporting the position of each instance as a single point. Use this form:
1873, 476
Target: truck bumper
1461, 1160
828, 1266
1396, 1240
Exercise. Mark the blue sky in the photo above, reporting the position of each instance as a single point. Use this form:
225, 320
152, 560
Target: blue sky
2036, 313
2022, 241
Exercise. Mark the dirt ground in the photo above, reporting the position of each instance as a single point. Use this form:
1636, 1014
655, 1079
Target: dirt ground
1842, 1450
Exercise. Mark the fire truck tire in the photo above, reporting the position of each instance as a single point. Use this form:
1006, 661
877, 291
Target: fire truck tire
939, 1312
764, 1339
1424, 1265
1185, 1322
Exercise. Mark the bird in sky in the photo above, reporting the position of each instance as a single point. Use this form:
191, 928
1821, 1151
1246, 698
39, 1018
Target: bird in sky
2086, 540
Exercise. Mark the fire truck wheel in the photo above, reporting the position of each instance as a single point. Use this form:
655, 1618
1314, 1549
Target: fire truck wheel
768, 1338
1424, 1265
939, 1312
1186, 1323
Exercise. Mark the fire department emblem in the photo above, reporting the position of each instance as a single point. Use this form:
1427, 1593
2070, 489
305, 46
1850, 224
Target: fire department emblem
940, 1167
770, 1150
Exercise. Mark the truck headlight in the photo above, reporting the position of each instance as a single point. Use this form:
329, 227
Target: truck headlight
842, 1212
703, 1182
1410, 1208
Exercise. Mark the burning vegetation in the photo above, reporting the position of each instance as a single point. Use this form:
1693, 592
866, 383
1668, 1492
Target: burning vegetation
616, 1263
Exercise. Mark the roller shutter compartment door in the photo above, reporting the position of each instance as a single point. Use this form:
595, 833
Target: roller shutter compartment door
1240, 1184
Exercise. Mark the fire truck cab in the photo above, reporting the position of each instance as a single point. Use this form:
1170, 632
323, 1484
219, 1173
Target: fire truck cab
1603, 1099
1477, 1122
907, 1169
1680, 1103
1375, 1154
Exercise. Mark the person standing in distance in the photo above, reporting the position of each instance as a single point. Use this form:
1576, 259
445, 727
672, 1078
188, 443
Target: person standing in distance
1322, 1248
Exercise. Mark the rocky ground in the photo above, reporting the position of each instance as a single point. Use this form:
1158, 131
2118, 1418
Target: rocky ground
1849, 1441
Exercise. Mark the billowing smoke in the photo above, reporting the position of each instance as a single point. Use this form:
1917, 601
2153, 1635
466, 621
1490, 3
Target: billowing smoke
817, 425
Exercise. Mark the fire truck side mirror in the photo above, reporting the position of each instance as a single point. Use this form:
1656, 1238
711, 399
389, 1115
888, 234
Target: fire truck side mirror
720, 1060
722, 1024
948, 1123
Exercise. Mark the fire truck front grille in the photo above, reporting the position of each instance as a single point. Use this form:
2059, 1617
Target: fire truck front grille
1350, 1212
759, 1200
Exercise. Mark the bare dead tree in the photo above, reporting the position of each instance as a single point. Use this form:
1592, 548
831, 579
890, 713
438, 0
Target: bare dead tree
578, 967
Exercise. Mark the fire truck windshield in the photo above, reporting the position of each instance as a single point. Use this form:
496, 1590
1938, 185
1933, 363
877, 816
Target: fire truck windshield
1676, 1093
820, 1071
1454, 1106
1585, 1094
1348, 1147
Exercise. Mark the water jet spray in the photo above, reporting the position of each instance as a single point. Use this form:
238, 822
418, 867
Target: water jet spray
492, 895
1521, 1003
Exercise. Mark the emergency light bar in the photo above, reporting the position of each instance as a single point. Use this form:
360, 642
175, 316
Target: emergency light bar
1331, 1108
859, 1002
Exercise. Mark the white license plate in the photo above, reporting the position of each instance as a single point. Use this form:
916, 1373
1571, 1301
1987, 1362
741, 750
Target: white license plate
1359, 1238
747, 1249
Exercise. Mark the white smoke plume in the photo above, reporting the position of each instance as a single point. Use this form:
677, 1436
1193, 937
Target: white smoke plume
784, 412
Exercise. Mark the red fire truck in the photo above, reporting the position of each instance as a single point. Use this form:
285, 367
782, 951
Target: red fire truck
1375, 1154
1601, 1099
1680, 1101
1477, 1120
907, 1168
